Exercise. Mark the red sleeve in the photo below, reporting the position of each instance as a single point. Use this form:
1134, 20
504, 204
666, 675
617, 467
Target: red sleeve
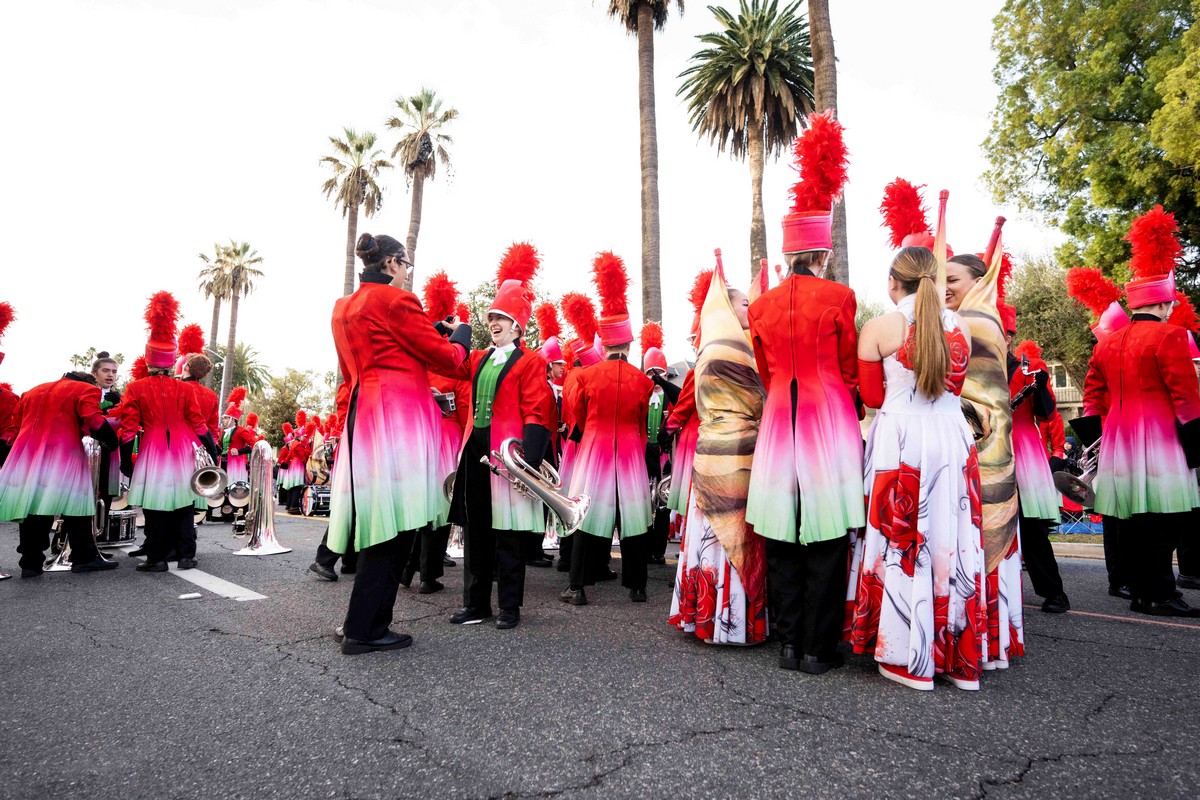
848, 343
531, 392
870, 383
131, 413
644, 409
88, 409
417, 336
8, 407
1095, 388
192, 414
760, 356
13, 424
579, 401
342, 401
1055, 434
549, 407
685, 409
1178, 374
214, 419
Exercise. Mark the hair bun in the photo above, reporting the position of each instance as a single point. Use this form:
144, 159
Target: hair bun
367, 248
103, 354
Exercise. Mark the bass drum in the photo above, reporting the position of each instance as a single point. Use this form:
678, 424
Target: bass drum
315, 500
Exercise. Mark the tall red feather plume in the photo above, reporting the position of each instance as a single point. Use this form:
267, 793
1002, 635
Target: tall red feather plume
301, 418
139, 369
287, 427
903, 210
1006, 270
1028, 348
547, 320
1184, 314
651, 336
612, 283
7, 315
252, 420
463, 312
441, 295
6, 387
162, 316
236, 396
821, 158
1155, 248
699, 289
520, 262
1088, 287
580, 313
310, 429
191, 340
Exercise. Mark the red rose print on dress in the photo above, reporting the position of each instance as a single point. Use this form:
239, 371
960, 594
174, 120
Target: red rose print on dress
974, 488
865, 629
960, 354
895, 500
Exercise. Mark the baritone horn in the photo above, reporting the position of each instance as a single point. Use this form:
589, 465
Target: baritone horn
1078, 488
208, 480
260, 514
544, 483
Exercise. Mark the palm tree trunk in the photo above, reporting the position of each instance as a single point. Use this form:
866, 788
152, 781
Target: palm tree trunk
825, 99
414, 213
651, 280
212, 335
758, 225
351, 238
230, 347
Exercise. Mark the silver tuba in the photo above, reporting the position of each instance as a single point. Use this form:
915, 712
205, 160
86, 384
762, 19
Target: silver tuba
260, 515
60, 546
1078, 488
544, 484
661, 494
208, 480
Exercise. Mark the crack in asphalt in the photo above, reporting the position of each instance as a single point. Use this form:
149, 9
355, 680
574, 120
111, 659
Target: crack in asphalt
1106, 645
1099, 709
986, 784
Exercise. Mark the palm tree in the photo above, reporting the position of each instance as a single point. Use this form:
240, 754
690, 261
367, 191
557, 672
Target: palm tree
214, 282
356, 167
248, 371
641, 18
421, 146
750, 89
240, 258
825, 99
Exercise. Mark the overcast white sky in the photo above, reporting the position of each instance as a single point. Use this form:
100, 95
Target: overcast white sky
139, 132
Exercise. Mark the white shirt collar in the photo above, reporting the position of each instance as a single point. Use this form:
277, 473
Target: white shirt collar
500, 354
656, 397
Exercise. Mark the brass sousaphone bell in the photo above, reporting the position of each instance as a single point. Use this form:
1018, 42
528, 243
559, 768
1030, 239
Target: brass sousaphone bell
543, 483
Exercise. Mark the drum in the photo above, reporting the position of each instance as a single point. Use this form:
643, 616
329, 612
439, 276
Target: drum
121, 530
315, 500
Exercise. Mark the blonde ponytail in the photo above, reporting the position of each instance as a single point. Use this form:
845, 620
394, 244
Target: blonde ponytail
915, 268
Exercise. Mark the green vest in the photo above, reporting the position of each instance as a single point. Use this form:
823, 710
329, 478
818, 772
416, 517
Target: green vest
485, 389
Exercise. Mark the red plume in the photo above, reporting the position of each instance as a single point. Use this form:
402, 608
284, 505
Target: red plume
651, 336
1006, 269
580, 314
139, 369
821, 158
191, 340
310, 429
463, 312
1155, 248
519, 263
162, 315
700, 289
441, 295
903, 210
6, 317
547, 320
236, 396
1088, 287
6, 387
252, 420
1184, 314
612, 282
287, 428
1028, 348
301, 418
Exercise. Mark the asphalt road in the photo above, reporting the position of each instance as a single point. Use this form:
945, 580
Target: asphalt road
117, 688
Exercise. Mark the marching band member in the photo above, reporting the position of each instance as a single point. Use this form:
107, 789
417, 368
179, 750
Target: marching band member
507, 401
654, 365
1141, 384
167, 413
8, 399
192, 367
609, 408
283, 463
805, 492
385, 488
236, 439
104, 372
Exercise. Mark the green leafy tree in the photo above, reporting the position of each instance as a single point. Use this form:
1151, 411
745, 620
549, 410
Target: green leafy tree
240, 259
248, 371
867, 309
356, 165
283, 396
1079, 132
1049, 316
641, 18
422, 144
749, 90
214, 283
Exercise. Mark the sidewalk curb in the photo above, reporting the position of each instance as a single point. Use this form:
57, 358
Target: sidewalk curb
1078, 550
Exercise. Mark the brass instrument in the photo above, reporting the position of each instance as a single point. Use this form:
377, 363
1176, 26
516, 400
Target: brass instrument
60, 545
260, 515
544, 484
1027, 388
448, 486
209, 480
239, 494
1078, 488
661, 493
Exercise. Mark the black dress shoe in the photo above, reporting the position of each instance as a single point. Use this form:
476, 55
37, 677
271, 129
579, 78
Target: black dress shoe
187, 563
98, 565
1122, 592
349, 570
637, 595
1059, 604
508, 618
389, 641
563, 565
657, 560
322, 571
406, 577
137, 553
575, 597
469, 616
429, 587
606, 575
31, 573
815, 666
539, 561
152, 566
1175, 607
1187, 581
172, 556
789, 657
447, 561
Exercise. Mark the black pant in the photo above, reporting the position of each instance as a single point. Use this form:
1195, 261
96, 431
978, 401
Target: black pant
486, 550
34, 535
1039, 556
808, 593
589, 555
294, 496
660, 529
328, 558
427, 551
1148, 540
531, 544
1189, 545
565, 547
633, 561
1114, 557
375, 586
170, 530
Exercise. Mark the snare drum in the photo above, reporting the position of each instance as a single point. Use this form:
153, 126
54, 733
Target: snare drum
121, 528
315, 500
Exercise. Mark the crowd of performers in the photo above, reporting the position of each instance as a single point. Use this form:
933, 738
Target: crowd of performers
905, 545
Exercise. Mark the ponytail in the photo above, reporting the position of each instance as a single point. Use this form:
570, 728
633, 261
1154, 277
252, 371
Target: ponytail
931, 359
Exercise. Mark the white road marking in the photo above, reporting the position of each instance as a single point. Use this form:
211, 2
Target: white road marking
218, 586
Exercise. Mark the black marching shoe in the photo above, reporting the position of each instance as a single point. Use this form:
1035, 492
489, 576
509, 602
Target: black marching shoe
406, 577
469, 616
564, 565
637, 595
1058, 604
508, 618
152, 566
606, 575
447, 561
575, 597
660, 560
789, 657
137, 553
31, 573
1187, 581
540, 561
323, 572
429, 587
187, 563
1175, 607
389, 641
815, 666
1123, 592
349, 570
98, 565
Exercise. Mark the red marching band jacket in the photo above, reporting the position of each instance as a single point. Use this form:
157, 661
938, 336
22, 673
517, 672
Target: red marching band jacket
208, 402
